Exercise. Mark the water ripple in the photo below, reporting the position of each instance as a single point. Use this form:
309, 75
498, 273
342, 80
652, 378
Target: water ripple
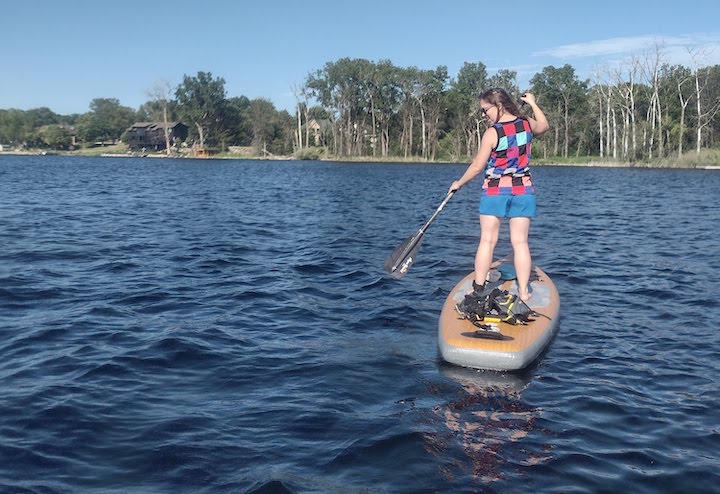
227, 326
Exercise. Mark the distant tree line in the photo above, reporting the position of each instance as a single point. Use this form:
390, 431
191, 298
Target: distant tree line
644, 111
215, 121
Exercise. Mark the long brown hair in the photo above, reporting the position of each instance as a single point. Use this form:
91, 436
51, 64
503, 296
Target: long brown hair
497, 96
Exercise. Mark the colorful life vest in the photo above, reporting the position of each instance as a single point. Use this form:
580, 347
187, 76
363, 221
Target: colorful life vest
507, 171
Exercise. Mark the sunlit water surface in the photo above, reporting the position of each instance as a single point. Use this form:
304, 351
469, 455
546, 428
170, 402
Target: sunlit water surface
227, 326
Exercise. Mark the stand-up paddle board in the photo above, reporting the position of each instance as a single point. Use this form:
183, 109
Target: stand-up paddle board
506, 346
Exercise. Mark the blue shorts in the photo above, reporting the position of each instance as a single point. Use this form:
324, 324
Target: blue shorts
509, 206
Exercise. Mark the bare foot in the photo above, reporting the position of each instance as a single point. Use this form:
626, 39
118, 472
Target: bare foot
524, 295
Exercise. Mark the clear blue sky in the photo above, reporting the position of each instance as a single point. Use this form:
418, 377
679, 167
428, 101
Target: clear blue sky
62, 55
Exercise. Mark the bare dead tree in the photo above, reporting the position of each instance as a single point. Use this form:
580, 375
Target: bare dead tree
298, 114
627, 92
683, 106
615, 132
651, 72
201, 135
705, 114
302, 107
600, 91
161, 93
602, 86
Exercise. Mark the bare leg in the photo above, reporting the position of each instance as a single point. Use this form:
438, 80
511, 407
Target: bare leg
519, 231
490, 230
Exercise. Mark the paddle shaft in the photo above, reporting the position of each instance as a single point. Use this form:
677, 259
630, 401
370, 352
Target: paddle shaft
437, 211
419, 235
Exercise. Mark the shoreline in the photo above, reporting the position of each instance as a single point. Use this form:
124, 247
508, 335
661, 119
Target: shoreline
361, 159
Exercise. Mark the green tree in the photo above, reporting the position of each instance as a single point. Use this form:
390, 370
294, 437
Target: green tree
14, 127
429, 94
262, 116
37, 117
201, 103
707, 100
676, 92
284, 134
384, 95
342, 89
564, 95
107, 120
464, 98
239, 128
507, 80
55, 137
408, 79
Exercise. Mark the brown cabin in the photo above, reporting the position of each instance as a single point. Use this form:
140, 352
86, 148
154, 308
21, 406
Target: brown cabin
150, 136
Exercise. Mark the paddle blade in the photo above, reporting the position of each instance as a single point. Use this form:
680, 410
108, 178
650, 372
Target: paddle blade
398, 263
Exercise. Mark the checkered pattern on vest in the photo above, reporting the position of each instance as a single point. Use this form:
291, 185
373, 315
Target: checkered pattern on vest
507, 171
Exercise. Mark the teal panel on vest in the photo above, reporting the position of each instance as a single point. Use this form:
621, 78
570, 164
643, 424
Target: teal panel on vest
521, 138
502, 143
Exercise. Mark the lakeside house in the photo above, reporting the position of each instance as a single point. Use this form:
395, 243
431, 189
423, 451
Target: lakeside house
320, 130
150, 136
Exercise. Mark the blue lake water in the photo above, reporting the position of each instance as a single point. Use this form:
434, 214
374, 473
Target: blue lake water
227, 326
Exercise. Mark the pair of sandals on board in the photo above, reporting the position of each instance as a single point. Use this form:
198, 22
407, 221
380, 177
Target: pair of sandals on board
489, 304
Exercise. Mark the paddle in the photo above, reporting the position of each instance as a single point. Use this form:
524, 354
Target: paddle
398, 263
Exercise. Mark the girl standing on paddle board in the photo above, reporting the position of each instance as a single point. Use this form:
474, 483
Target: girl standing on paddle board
508, 191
